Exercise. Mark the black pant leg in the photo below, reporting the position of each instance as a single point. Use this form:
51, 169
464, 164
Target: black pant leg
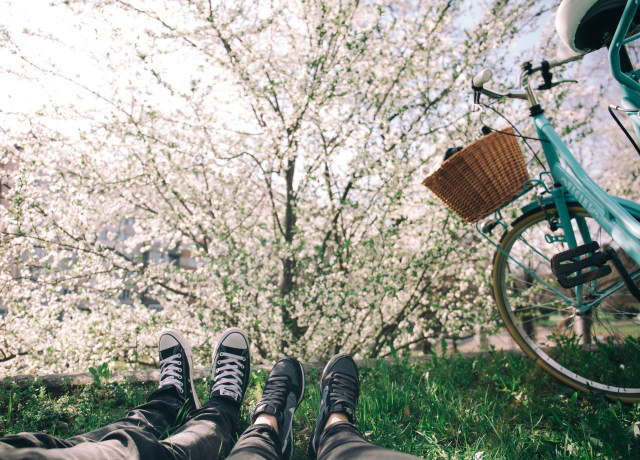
133, 436
121, 444
156, 416
207, 433
344, 441
258, 442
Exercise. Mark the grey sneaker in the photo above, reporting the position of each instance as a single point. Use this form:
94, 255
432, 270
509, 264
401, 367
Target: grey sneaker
339, 389
231, 366
176, 365
281, 396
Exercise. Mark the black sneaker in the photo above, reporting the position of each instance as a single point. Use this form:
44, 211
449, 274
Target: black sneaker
281, 396
231, 366
339, 389
176, 365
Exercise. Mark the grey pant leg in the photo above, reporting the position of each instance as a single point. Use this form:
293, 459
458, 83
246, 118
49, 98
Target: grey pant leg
258, 442
344, 441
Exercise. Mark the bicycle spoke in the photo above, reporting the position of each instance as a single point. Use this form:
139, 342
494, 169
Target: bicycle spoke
545, 316
534, 249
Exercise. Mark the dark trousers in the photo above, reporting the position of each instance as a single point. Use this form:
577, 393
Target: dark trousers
206, 433
339, 441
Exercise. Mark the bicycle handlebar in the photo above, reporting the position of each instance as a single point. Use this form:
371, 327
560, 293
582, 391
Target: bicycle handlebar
485, 75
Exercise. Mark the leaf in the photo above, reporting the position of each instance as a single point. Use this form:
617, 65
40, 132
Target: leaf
405, 412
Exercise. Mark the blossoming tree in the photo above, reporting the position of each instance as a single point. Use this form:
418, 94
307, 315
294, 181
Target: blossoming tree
279, 142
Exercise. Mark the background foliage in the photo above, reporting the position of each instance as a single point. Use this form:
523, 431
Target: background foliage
280, 143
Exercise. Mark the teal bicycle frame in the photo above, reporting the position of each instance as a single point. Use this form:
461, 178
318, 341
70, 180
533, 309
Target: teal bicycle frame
572, 183
622, 227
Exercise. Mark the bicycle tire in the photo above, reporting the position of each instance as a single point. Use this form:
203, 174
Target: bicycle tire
607, 332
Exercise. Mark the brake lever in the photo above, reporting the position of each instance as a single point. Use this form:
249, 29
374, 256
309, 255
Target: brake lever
563, 81
554, 84
477, 106
547, 76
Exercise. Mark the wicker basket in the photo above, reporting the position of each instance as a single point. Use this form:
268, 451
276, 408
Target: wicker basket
482, 177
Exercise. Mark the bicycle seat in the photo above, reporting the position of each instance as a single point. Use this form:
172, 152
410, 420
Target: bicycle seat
588, 25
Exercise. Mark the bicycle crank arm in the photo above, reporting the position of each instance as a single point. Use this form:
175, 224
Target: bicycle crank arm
624, 274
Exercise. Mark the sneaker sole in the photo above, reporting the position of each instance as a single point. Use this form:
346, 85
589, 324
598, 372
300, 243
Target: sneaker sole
303, 383
304, 386
187, 351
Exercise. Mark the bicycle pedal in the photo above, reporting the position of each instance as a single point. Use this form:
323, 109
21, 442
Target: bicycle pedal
568, 266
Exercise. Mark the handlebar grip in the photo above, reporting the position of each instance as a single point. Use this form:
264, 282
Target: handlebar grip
481, 78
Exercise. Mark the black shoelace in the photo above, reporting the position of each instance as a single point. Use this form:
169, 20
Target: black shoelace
343, 389
275, 393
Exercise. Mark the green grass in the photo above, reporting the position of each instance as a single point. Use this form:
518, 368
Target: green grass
496, 406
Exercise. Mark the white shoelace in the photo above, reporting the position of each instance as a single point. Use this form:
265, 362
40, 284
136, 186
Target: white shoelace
171, 372
229, 375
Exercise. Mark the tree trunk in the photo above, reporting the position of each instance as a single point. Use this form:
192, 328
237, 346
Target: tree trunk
289, 262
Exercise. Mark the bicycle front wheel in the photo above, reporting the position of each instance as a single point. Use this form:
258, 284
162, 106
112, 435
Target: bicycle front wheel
596, 351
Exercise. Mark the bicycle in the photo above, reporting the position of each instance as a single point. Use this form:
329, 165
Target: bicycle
566, 272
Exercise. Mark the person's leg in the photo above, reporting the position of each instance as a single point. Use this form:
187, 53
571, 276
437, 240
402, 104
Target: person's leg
343, 441
258, 442
335, 435
144, 423
270, 437
153, 417
175, 396
135, 435
120, 440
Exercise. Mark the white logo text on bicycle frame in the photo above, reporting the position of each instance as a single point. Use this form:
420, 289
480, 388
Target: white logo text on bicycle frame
578, 195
